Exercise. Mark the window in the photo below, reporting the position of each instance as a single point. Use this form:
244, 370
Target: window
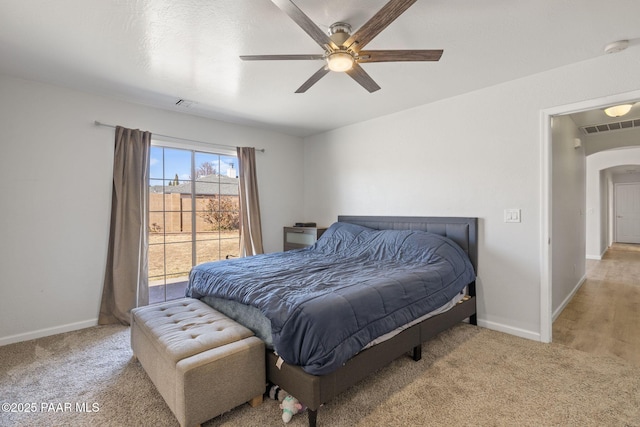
193, 215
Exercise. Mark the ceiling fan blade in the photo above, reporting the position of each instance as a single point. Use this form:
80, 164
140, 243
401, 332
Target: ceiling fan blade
305, 23
399, 55
358, 74
279, 57
379, 22
313, 79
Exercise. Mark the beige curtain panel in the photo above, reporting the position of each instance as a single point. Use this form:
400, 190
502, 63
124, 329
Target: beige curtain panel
126, 282
250, 226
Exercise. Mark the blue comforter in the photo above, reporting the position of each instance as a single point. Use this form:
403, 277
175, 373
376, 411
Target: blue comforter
328, 301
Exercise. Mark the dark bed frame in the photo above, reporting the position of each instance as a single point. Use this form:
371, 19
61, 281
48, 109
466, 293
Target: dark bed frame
313, 390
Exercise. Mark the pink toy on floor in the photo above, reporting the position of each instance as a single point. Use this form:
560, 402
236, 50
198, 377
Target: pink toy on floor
290, 406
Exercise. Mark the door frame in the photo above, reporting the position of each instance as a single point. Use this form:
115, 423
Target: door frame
617, 185
546, 186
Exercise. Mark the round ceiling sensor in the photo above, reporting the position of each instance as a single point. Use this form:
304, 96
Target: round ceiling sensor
615, 47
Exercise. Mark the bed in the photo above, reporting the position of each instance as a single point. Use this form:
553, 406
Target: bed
316, 363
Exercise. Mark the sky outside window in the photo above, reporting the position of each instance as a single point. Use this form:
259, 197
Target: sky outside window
178, 162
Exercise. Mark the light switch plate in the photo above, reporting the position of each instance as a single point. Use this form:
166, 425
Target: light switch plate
512, 215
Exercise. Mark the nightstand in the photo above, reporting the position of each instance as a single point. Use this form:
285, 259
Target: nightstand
301, 237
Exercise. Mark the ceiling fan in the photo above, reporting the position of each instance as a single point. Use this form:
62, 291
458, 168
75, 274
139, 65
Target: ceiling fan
343, 51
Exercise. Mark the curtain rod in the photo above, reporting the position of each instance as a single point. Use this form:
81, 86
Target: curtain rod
97, 123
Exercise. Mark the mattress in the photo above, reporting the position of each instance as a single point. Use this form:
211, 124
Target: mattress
253, 318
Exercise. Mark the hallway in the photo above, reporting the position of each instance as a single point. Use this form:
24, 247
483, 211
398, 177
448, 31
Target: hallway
604, 315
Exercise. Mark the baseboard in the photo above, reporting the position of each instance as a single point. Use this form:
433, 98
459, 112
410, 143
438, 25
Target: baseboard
566, 301
598, 257
522, 333
47, 332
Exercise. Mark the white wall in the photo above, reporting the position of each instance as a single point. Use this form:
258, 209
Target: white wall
613, 139
472, 155
55, 184
626, 177
600, 196
568, 195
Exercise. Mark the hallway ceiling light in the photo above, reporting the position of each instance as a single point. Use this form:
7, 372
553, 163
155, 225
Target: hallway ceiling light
617, 110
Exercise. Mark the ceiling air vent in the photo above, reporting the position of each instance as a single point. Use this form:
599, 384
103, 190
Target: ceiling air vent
184, 103
625, 124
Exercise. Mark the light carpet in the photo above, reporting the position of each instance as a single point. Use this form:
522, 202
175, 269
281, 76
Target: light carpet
468, 376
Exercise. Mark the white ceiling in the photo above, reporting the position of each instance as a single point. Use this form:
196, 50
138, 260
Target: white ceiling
155, 52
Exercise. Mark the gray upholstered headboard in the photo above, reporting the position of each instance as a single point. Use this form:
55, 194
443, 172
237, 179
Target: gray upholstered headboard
463, 231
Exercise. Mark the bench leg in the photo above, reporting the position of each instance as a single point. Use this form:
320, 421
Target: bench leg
256, 401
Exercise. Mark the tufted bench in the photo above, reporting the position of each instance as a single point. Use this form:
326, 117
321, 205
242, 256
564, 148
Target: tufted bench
201, 362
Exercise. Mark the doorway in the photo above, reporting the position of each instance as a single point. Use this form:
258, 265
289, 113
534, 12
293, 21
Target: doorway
549, 248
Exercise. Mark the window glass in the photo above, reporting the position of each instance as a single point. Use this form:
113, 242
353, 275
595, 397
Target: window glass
193, 215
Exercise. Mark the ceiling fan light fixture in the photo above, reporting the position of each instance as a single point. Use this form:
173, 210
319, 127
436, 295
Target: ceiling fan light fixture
340, 61
342, 51
618, 110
